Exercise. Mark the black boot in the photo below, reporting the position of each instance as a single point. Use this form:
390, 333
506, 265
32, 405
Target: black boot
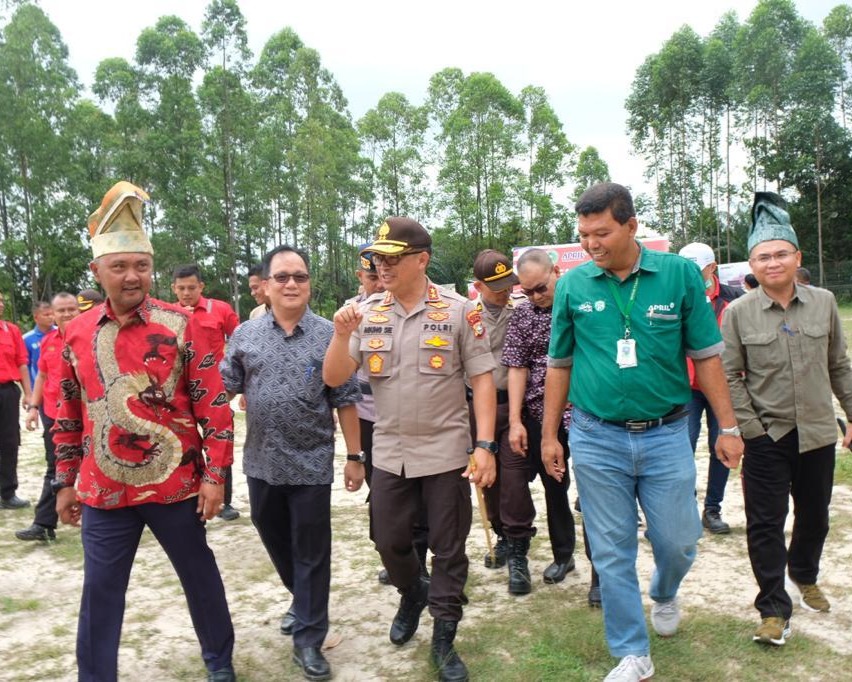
411, 605
519, 570
501, 551
444, 656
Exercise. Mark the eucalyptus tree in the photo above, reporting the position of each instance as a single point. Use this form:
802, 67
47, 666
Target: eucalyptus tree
590, 170
168, 55
228, 110
479, 124
548, 156
38, 90
837, 28
765, 50
393, 136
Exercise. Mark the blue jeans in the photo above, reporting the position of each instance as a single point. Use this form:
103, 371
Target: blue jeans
613, 468
717, 473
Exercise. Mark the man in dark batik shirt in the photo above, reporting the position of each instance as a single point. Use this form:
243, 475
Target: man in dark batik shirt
144, 371
275, 361
525, 354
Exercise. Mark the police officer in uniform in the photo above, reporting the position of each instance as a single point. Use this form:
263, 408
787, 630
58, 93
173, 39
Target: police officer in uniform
494, 278
417, 343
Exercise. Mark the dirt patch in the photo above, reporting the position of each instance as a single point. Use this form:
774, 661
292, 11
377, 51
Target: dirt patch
40, 591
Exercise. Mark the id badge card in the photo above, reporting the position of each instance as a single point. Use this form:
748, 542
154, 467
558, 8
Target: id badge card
626, 353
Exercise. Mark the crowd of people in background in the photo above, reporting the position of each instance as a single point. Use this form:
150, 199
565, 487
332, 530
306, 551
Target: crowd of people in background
612, 366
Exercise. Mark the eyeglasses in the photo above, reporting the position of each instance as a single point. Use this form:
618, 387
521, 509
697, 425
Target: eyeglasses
391, 261
766, 258
284, 277
536, 291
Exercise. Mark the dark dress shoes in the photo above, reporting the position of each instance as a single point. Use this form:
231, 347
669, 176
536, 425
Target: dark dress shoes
14, 502
228, 513
36, 532
312, 662
712, 521
222, 675
556, 572
288, 622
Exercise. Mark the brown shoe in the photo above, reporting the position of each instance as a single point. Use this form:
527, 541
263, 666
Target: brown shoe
812, 598
772, 630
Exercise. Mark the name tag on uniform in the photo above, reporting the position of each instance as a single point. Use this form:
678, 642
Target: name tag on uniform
626, 353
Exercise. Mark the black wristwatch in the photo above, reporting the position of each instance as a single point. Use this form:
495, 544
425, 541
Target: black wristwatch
490, 445
56, 486
357, 457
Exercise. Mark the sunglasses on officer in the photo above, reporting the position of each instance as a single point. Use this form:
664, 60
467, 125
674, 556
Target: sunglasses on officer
391, 261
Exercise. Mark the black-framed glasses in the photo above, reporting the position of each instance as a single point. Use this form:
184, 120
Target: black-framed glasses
536, 291
284, 277
390, 261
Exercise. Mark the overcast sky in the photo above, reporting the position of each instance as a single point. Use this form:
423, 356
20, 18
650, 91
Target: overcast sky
584, 54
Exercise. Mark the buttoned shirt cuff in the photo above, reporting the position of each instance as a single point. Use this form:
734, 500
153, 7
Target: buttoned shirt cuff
560, 362
213, 474
704, 353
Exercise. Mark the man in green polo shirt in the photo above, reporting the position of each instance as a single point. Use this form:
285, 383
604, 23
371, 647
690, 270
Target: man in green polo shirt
623, 325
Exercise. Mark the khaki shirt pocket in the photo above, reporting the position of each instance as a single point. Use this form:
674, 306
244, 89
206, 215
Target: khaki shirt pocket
815, 342
376, 353
763, 350
435, 355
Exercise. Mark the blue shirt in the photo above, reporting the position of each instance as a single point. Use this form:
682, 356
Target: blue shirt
32, 340
290, 434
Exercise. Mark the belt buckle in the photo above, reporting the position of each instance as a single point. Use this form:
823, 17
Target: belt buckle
636, 426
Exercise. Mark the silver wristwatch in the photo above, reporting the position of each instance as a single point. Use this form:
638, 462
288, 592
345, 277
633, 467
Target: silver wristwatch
733, 431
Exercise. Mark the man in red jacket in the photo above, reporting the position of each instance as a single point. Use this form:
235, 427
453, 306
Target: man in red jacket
718, 296
138, 379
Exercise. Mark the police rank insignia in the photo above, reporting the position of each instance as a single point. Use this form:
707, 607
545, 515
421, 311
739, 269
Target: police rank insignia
438, 317
375, 344
375, 363
381, 308
378, 319
474, 319
438, 304
437, 342
436, 361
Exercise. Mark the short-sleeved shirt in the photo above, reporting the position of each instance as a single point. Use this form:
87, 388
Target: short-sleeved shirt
50, 367
496, 322
32, 340
367, 406
783, 365
416, 362
525, 346
143, 415
669, 320
290, 434
13, 352
218, 320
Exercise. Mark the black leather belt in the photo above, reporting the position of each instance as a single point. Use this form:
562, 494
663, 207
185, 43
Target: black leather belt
502, 395
640, 425
365, 388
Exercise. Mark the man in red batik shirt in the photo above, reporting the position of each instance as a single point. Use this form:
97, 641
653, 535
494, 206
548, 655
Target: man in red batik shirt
147, 373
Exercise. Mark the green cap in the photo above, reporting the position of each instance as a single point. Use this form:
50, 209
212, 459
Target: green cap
770, 220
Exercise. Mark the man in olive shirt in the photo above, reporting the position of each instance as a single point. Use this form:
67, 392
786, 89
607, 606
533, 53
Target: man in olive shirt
784, 356
417, 343
623, 325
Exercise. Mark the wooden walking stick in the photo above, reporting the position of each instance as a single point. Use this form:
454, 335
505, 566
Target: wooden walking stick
483, 515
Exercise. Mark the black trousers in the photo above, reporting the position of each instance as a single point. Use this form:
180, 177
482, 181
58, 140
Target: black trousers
45, 511
110, 539
772, 472
421, 526
395, 508
560, 520
229, 485
10, 438
294, 524
510, 506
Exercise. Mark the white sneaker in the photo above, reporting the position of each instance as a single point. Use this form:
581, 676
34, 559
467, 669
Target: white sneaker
632, 669
665, 617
